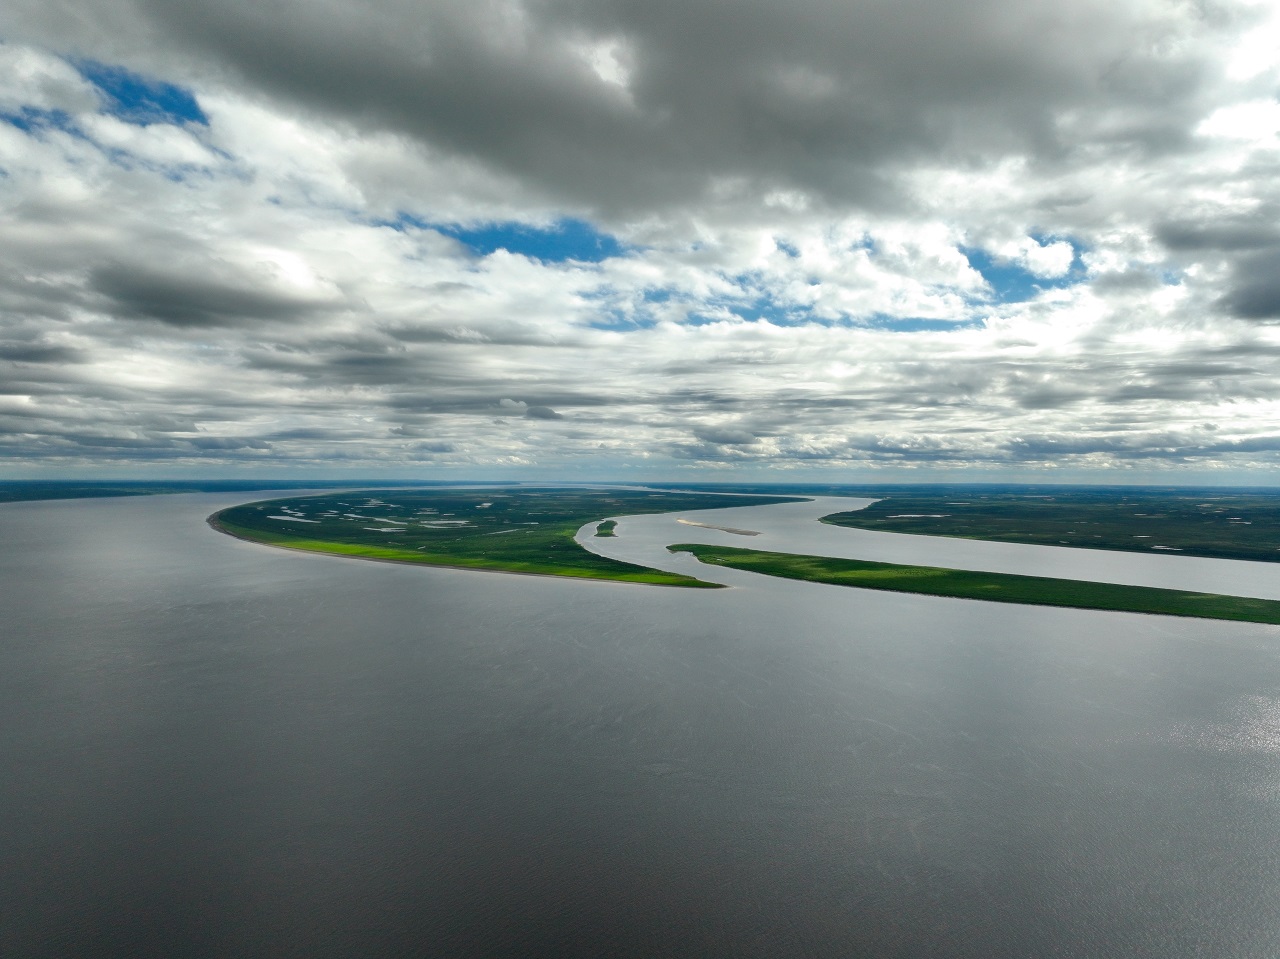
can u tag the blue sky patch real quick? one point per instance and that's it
(619, 321)
(766, 309)
(567, 240)
(31, 119)
(752, 309)
(141, 100)
(919, 324)
(1011, 283)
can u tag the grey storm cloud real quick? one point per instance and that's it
(1125, 281)
(193, 297)
(1249, 243)
(224, 443)
(725, 437)
(39, 353)
(1226, 234)
(1255, 293)
(542, 413)
(314, 433)
(1140, 446)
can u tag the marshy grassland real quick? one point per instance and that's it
(993, 587)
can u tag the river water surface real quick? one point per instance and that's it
(212, 748)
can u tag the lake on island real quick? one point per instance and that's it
(212, 748)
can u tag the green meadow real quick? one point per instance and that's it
(994, 587)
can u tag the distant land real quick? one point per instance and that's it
(1216, 523)
(12, 491)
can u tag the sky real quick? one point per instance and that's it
(838, 240)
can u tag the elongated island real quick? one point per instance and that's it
(993, 587)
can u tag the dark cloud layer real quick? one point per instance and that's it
(628, 105)
(542, 413)
(194, 298)
(1226, 235)
(1256, 286)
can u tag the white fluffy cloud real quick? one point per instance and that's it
(588, 240)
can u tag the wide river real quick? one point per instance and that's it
(210, 748)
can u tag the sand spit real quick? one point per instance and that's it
(723, 529)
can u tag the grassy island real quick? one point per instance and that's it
(509, 529)
(1217, 523)
(995, 587)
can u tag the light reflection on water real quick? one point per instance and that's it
(1253, 727)
(213, 748)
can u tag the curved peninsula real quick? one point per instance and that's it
(993, 587)
(514, 530)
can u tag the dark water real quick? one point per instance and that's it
(210, 748)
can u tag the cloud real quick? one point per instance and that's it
(20, 352)
(725, 437)
(1255, 291)
(188, 297)
(33, 81)
(1017, 236)
(1050, 259)
(542, 413)
(1225, 234)
(621, 106)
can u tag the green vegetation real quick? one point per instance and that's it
(607, 528)
(1223, 524)
(511, 529)
(996, 587)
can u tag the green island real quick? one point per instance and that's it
(994, 587)
(514, 530)
(1216, 523)
(607, 528)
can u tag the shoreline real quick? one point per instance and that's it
(212, 521)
